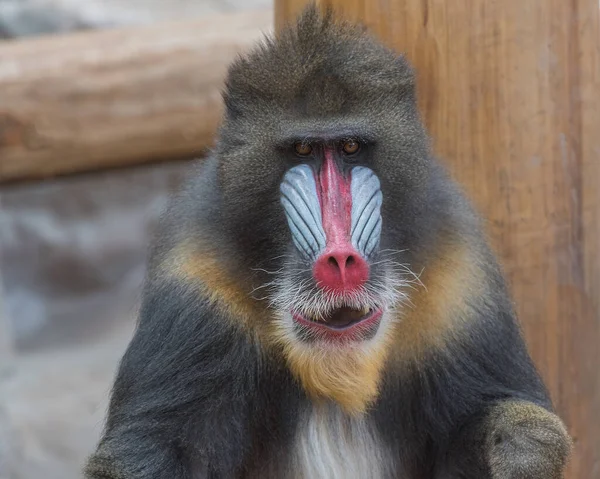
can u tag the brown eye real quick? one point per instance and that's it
(303, 149)
(350, 147)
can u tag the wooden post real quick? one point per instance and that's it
(509, 91)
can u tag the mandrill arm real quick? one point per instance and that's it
(481, 402)
(183, 392)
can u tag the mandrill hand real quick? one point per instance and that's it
(514, 440)
(525, 441)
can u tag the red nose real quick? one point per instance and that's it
(341, 270)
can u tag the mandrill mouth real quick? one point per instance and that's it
(342, 323)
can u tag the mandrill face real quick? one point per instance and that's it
(332, 202)
(324, 172)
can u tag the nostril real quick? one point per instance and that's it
(333, 262)
(337, 263)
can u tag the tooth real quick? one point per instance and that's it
(365, 310)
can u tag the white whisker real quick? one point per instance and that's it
(293, 289)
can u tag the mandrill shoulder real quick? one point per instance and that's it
(193, 249)
(461, 284)
(462, 311)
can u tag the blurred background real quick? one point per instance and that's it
(105, 103)
(72, 249)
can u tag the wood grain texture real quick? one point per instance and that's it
(509, 90)
(85, 101)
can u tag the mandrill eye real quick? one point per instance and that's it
(303, 149)
(350, 147)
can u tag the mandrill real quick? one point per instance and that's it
(321, 301)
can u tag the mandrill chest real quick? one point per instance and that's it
(331, 444)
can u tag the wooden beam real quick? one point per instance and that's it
(86, 101)
(509, 91)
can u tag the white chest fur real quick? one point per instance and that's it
(332, 445)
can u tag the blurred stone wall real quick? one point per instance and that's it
(72, 258)
(72, 251)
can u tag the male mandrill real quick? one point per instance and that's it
(321, 301)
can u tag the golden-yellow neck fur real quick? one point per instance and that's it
(348, 374)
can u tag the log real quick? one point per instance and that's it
(509, 91)
(87, 101)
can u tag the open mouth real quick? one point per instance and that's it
(343, 322)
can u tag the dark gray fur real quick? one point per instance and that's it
(195, 398)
